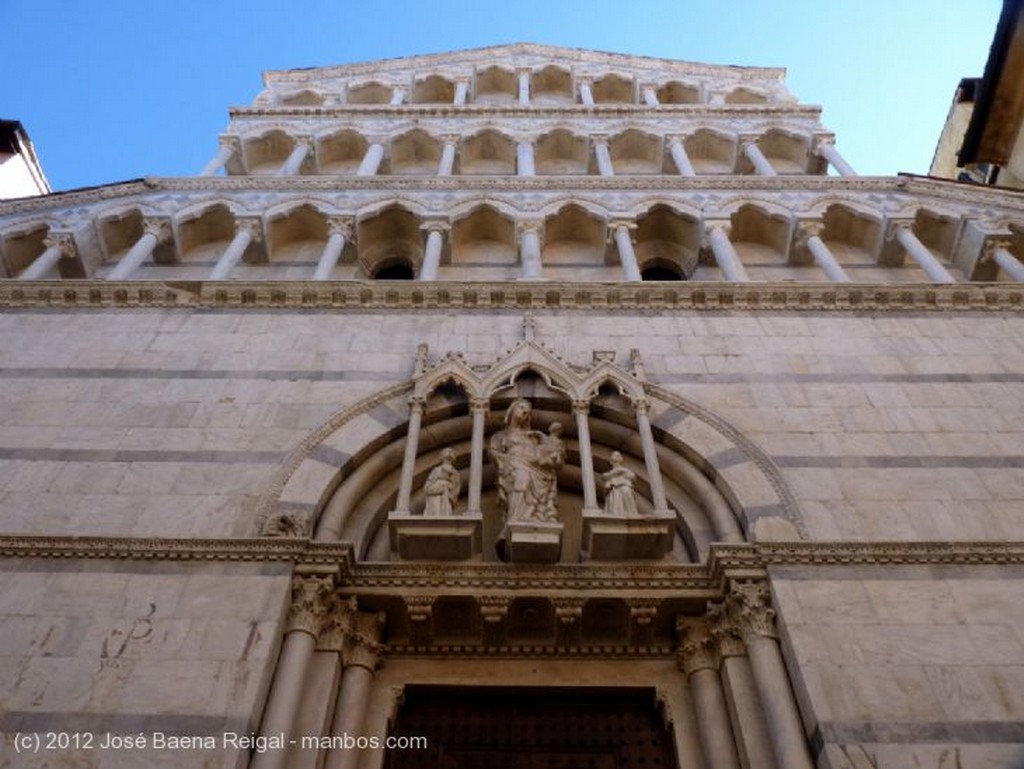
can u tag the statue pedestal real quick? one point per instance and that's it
(610, 538)
(422, 538)
(534, 542)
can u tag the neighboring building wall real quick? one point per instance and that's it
(20, 172)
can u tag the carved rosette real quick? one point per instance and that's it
(290, 525)
(726, 635)
(311, 597)
(749, 606)
(697, 647)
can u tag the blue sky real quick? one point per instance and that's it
(117, 89)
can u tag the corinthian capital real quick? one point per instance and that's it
(749, 605)
(697, 648)
(65, 241)
(158, 227)
(311, 598)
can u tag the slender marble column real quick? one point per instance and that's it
(604, 158)
(649, 95)
(1009, 264)
(461, 92)
(310, 596)
(748, 725)
(627, 256)
(246, 231)
(154, 231)
(919, 253)
(530, 250)
(524, 159)
(371, 160)
(397, 96)
(586, 93)
(224, 154)
(828, 151)
(698, 659)
(679, 157)
(725, 255)
(524, 87)
(478, 408)
(749, 607)
(447, 164)
(432, 250)
(412, 441)
(361, 656)
(58, 245)
(339, 232)
(755, 156)
(822, 254)
(582, 409)
(293, 164)
(643, 422)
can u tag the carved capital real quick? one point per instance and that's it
(452, 139)
(641, 407)
(697, 648)
(338, 225)
(806, 230)
(435, 225)
(363, 647)
(993, 243)
(581, 406)
(726, 635)
(233, 143)
(158, 227)
(417, 404)
(311, 598)
(337, 625)
(252, 225)
(64, 241)
(526, 225)
(306, 141)
(749, 607)
(479, 404)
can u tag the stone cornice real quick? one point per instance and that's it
(560, 296)
(711, 111)
(487, 55)
(741, 561)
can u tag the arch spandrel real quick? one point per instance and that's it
(341, 483)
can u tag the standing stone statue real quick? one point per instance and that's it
(442, 487)
(528, 462)
(619, 498)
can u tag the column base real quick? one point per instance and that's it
(449, 538)
(611, 538)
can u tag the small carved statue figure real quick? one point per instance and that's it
(528, 462)
(619, 499)
(442, 487)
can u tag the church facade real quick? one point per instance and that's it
(514, 407)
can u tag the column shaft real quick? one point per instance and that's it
(604, 159)
(752, 740)
(755, 156)
(397, 96)
(926, 259)
(713, 720)
(285, 695)
(524, 88)
(726, 257)
(781, 714)
(651, 460)
(524, 159)
(447, 164)
(431, 256)
(650, 97)
(680, 158)
(624, 243)
(530, 255)
(329, 256)
(233, 255)
(219, 160)
(42, 264)
(350, 714)
(1009, 264)
(586, 94)
(136, 256)
(476, 457)
(371, 160)
(825, 259)
(828, 151)
(586, 459)
(291, 166)
(412, 440)
(461, 91)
